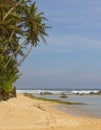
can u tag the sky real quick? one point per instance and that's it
(72, 56)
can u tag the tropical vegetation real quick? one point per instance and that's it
(21, 28)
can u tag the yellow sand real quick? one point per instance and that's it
(24, 113)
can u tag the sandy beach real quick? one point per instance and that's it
(24, 113)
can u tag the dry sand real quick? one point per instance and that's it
(24, 113)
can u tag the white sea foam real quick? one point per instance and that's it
(84, 91)
(39, 91)
(59, 91)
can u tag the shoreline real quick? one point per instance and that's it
(24, 113)
(65, 106)
(75, 111)
(81, 105)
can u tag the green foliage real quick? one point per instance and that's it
(8, 75)
(5, 84)
(22, 22)
(20, 27)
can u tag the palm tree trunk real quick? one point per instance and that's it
(12, 9)
(24, 57)
(14, 54)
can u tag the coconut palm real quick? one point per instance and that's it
(30, 26)
(20, 27)
(34, 28)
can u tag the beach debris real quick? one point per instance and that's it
(40, 107)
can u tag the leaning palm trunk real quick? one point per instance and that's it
(24, 57)
(19, 21)
(9, 12)
(16, 51)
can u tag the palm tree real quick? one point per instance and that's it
(34, 28)
(20, 27)
(30, 26)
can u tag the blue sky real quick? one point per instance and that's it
(72, 56)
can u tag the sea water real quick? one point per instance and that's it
(91, 104)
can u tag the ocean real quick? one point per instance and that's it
(91, 104)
